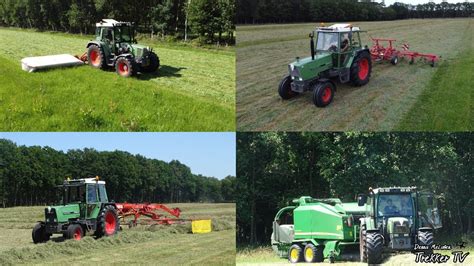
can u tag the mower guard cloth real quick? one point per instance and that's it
(31, 64)
(201, 226)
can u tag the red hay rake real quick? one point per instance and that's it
(149, 210)
(388, 52)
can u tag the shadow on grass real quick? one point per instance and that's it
(162, 72)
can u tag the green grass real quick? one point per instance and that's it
(397, 98)
(164, 245)
(193, 91)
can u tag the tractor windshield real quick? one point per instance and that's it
(123, 34)
(395, 205)
(327, 41)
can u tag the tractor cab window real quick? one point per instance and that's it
(123, 34)
(91, 193)
(395, 205)
(103, 194)
(327, 41)
(429, 213)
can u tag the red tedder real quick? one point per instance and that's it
(389, 53)
(149, 210)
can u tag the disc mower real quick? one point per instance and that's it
(338, 54)
(115, 46)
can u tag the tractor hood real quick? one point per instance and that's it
(398, 225)
(307, 68)
(61, 213)
(140, 50)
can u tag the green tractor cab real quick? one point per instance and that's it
(84, 208)
(115, 46)
(337, 54)
(396, 218)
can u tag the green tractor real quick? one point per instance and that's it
(115, 46)
(84, 208)
(338, 54)
(313, 230)
(396, 218)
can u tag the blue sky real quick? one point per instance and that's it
(209, 154)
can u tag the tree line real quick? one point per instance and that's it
(283, 11)
(209, 21)
(30, 176)
(274, 168)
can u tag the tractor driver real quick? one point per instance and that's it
(345, 45)
(406, 208)
(390, 208)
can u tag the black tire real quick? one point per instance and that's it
(362, 245)
(394, 60)
(426, 238)
(316, 251)
(104, 226)
(99, 61)
(154, 64)
(361, 69)
(284, 89)
(74, 231)
(374, 245)
(39, 234)
(298, 256)
(323, 93)
(125, 67)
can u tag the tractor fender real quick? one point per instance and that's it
(425, 229)
(326, 80)
(129, 56)
(94, 42)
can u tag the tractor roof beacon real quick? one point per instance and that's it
(337, 53)
(115, 46)
(84, 208)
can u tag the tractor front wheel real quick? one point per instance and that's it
(125, 67)
(295, 254)
(361, 69)
(74, 231)
(284, 89)
(96, 57)
(154, 64)
(374, 246)
(107, 223)
(425, 238)
(323, 93)
(39, 234)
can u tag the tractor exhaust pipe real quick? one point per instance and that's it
(311, 35)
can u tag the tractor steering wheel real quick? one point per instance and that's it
(333, 48)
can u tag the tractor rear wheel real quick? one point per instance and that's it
(154, 64)
(374, 246)
(295, 254)
(74, 231)
(323, 93)
(426, 238)
(125, 67)
(284, 89)
(361, 69)
(39, 234)
(313, 253)
(96, 57)
(362, 244)
(107, 223)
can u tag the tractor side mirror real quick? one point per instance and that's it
(361, 199)
(311, 35)
(429, 200)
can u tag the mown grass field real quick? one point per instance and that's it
(403, 97)
(159, 245)
(266, 256)
(193, 91)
